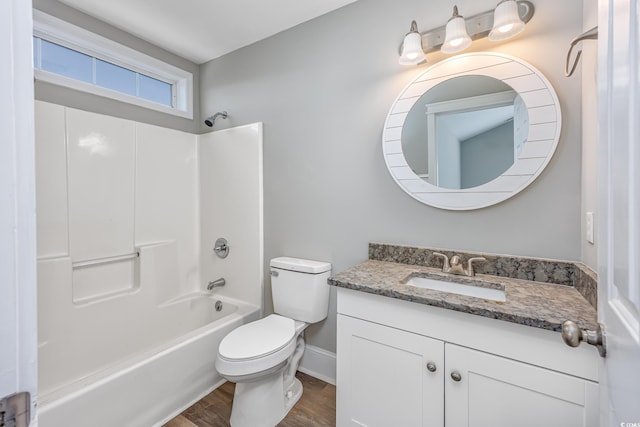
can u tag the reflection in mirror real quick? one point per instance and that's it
(465, 132)
(537, 123)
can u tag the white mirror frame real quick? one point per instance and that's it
(545, 123)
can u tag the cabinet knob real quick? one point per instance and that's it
(431, 367)
(455, 375)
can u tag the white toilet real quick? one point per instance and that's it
(262, 357)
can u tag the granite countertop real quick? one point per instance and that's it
(536, 304)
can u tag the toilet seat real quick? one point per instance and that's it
(257, 346)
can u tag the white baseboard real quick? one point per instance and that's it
(319, 363)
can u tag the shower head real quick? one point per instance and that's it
(211, 120)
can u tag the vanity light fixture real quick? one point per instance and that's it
(456, 37)
(412, 50)
(507, 20)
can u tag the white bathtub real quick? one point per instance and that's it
(151, 386)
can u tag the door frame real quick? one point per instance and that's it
(18, 289)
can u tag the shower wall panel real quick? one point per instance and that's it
(100, 151)
(106, 187)
(100, 168)
(231, 201)
(51, 181)
(115, 187)
(166, 199)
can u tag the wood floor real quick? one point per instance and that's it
(316, 407)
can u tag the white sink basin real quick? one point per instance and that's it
(471, 290)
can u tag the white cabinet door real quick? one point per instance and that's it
(383, 379)
(498, 392)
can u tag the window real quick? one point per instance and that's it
(69, 56)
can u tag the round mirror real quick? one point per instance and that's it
(465, 132)
(471, 131)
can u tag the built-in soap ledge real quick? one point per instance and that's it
(190, 296)
(81, 302)
(105, 260)
(152, 268)
(105, 278)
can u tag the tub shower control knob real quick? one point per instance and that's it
(221, 248)
(431, 367)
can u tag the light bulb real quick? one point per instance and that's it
(506, 21)
(456, 36)
(412, 53)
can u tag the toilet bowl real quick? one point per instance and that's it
(262, 357)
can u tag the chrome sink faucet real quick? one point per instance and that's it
(455, 265)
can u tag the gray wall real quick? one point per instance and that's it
(323, 90)
(414, 138)
(588, 67)
(486, 156)
(85, 101)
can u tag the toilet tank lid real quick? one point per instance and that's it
(301, 265)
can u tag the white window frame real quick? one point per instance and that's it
(70, 36)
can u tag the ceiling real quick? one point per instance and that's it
(201, 30)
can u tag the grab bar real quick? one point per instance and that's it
(105, 260)
(592, 34)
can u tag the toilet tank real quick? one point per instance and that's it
(299, 288)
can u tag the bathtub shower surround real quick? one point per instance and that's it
(150, 387)
(124, 254)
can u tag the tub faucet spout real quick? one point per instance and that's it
(216, 284)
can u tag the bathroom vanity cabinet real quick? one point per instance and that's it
(401, 363)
